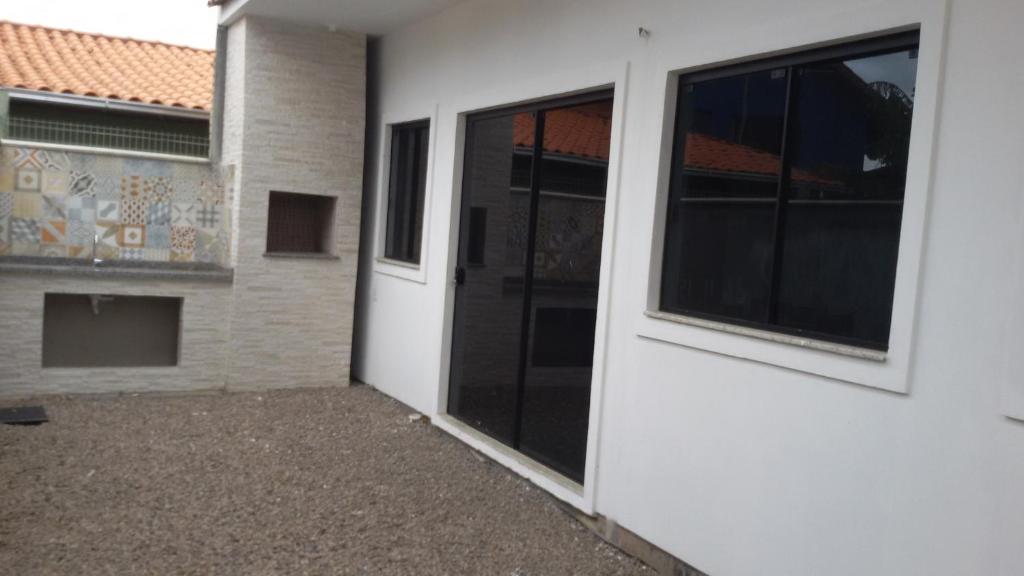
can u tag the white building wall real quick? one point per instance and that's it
(737, 466)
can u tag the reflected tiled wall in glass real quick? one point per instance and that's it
(77, 205)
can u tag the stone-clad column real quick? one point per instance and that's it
(294, 116)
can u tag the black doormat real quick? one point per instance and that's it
(23, 415)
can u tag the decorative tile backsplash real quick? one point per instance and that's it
(71, 204)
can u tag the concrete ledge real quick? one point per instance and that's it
(301, 255)
(115, 269)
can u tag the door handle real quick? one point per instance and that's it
(460, 276)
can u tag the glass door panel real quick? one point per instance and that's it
(492, 257)
(563, 298)
(527, 279)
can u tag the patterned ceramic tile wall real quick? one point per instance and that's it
(70, 204)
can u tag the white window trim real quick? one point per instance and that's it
(890, 371)
(412, 271)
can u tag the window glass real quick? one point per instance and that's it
(848, 170)
(839, 269)
(786, 192)
(733, 136)
(721, 262)
(406, 190)
(851, 128)
(718, 249)
(497, 180)
(562, 304)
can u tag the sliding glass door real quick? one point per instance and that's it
(527, 278)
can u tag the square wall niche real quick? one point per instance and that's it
(110, 331)
(300, 224)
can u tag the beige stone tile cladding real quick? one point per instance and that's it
(203, 344)
(291, 320)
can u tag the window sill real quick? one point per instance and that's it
(399, 263)
(99, 369)
(811, 343)
(118, 269)
(105, 151)
(301, 256)
(400, 269)
(839, 362)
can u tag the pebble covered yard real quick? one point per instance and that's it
(312, 481)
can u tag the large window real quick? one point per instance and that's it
(786, 192)
(407, 184)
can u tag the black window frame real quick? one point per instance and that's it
(403, 241)
(909, 40)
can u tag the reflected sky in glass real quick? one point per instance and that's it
(899, 68)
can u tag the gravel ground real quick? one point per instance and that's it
(330, 481)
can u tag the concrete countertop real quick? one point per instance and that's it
(115, 269)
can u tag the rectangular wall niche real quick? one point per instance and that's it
(93, 330)
(300, 223)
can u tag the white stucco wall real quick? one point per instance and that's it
(739, 466)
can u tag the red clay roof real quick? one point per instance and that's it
(582, 131)
(585, 132)
(703, 152)
(69, 62)
(707, 153)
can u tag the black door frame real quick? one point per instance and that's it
(539, 108)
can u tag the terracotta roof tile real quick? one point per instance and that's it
(582, 131)
(707, 153)
(69, 62)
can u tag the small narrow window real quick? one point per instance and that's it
(786, 192)
(407, 183)
(300, 223)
